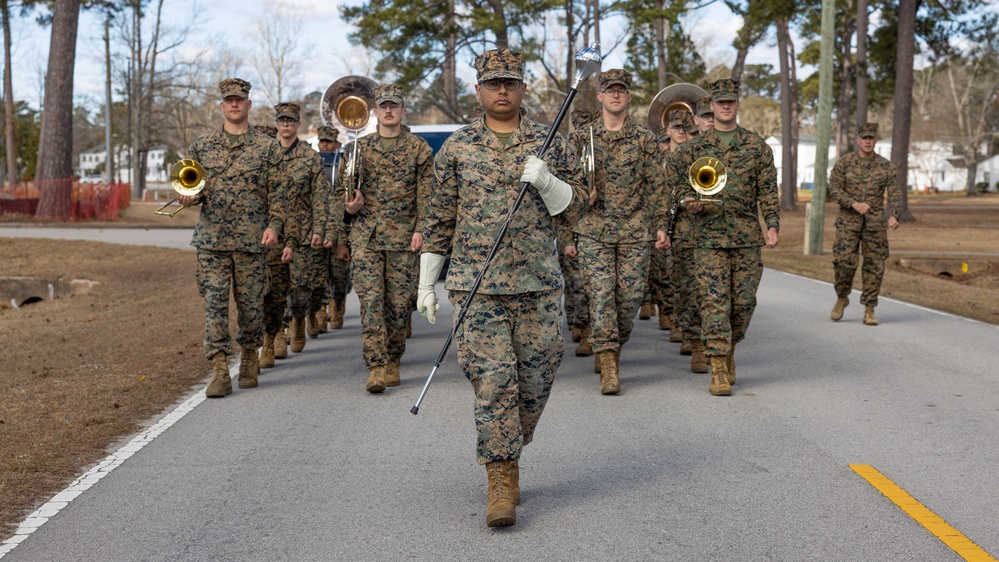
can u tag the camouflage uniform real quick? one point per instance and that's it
(396, 183)
(577, 311)
(862, 180)
(726, 238)
(614, 235)
(338, 272)
(241, 199)
(307, 192)
(687, 304)
(510, 342)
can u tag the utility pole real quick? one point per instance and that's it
(813, 245)
(109, 161)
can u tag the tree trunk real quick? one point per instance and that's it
(789, 171)
(660, 28)
(845, 97)
(135, 103)
(500, 29)
(13, 175)
(863, 98)
(902, 114)
(56, 169)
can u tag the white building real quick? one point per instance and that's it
(988, 173)
(931, 164)
(92, 165)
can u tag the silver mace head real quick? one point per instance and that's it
(587, 62)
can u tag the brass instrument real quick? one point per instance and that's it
(707, 176)
(347, 104)
(588, 163)
(187, 178)
(675, 96)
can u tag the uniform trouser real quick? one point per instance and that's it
(320, 272)
(243, 273)
(874, 245)
(385, 283)
(509, 347)
(339, 278)
(296, 291)
(728, 279)
(615, 276)
(577, 304)
(688, 297)
(659, 289)
(276, 300)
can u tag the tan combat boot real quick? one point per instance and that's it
(249, 368)
(501, 508)
(596, 364)
(281, 345)
(837, 311)
(577, 334)
(322, 320)
(376, 380)
(686, 347)
(719, 377)
(610, 382)
(267, 352)
(585, 348)
(698, 364)
(676, 336)
(515, 479)
(869, 318)
(392, 374)
(645, 311)
(297, 329)
(336, 319)
(221, 385)
(312, 325)
(665, 322)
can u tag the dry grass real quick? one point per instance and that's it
(80, 373)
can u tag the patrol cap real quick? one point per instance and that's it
(867, 130)
(499, 63)
(326, 133)
(234, 87)
(388, 92)
(704, 106)
(679, 118)
(289, 110)
(615, 76)
(725, 89)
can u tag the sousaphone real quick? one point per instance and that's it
(347, 105)
(676, 96)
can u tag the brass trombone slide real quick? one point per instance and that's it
(187, 178)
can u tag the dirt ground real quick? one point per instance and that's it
(82, 372)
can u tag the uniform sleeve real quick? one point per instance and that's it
(442, 208)
(424, 183)
(837, 191)
(894, 194)
(320, 197)
(766, 188)
(277, 193)
(658, 186)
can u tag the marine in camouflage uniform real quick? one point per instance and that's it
(385, 233)
(510, 342)
(614, 236)
(337, 276)
(660, 293)
(242, 213)
(727, 237)
(307, 193)
(858, 184)
(577, 303)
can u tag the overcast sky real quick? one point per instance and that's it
(324, 36)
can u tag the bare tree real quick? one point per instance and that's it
(973, 84)
(55, 200)
(860, 72)
(902, 116)
(278, 57)
(8, 97)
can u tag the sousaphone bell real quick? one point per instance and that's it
(347, 105)
(675, 96)
(187, 178)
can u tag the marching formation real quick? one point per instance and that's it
(616, 221)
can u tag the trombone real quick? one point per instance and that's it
(187, 178)
(352, 173)
(587, 160)
(707, 176)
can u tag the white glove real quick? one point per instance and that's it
(556, 193)
(426, 299)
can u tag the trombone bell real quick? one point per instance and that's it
(187, 178)
(707, 176)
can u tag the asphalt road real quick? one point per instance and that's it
(308, 466)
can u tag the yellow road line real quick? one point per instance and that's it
(950, 536)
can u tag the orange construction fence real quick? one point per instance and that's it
(90, 201)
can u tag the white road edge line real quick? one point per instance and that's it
(49, 510)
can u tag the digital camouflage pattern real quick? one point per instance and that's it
(234, 87)
(499, 63)
(726, 237)
(679, 118)
(476, 180)
(686, 297)
(510, 342)
(614, 234)
(577, 305)
(511, 390)
(242, 198)
(276, 299)
(287, 110)
(615, 76)
(725, 89)
(338, 272)
(245, 274)
(396, 186)
(862, 180)
(269, 130)
(327, 133)
(388, 92)
(867, 130)
(704, 106)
